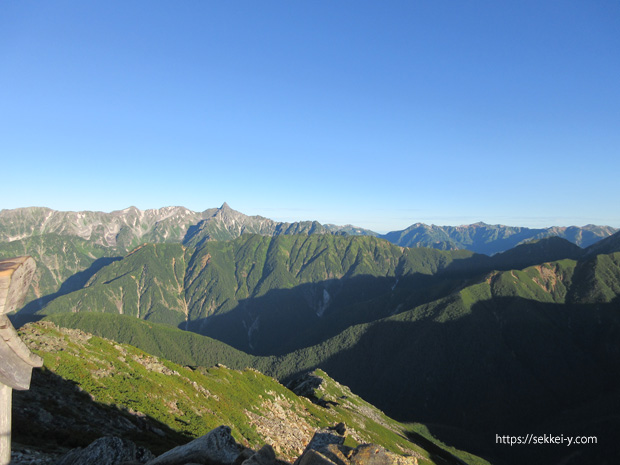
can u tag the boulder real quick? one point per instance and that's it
(109, 450)
(313, 457)
(265, 456)
(324, 437)
(217, 447)
(305, 385)
(316, 452)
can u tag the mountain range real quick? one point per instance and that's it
(128, 228)
(493, 329)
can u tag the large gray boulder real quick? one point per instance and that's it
(217, 447)
(109, 450)
(319, 442)
(327, 448)
(265, 456)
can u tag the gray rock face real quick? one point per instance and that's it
(317, 449)
(305, 385)
(325, 437)
(217, 447)
(312, 457)
(265, 456)
(109, 450)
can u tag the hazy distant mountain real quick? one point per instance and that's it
(350, 230)
(490, 239)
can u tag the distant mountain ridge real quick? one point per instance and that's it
(491, 239)
(128, 228)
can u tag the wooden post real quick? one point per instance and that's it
(16, 360)
(5, 423)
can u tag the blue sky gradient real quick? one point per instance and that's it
(379, 114)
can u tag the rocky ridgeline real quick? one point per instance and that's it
(218, 447)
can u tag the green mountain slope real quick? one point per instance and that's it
(147, 283)
(515, 350)
(273, 295)
(536, 251)
(161, 340)
(193, 401)
(270, 294)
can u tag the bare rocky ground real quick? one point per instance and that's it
(217, 447)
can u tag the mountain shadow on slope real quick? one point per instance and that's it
(509, 366)
(608, 245)
(55, 415)
(75, 282)
(171, 284)
(285, 320)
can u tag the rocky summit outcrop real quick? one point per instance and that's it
(218, 447)
(327, 448)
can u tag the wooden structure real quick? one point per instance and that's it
(16, 360)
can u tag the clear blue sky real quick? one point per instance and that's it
(376, 113)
